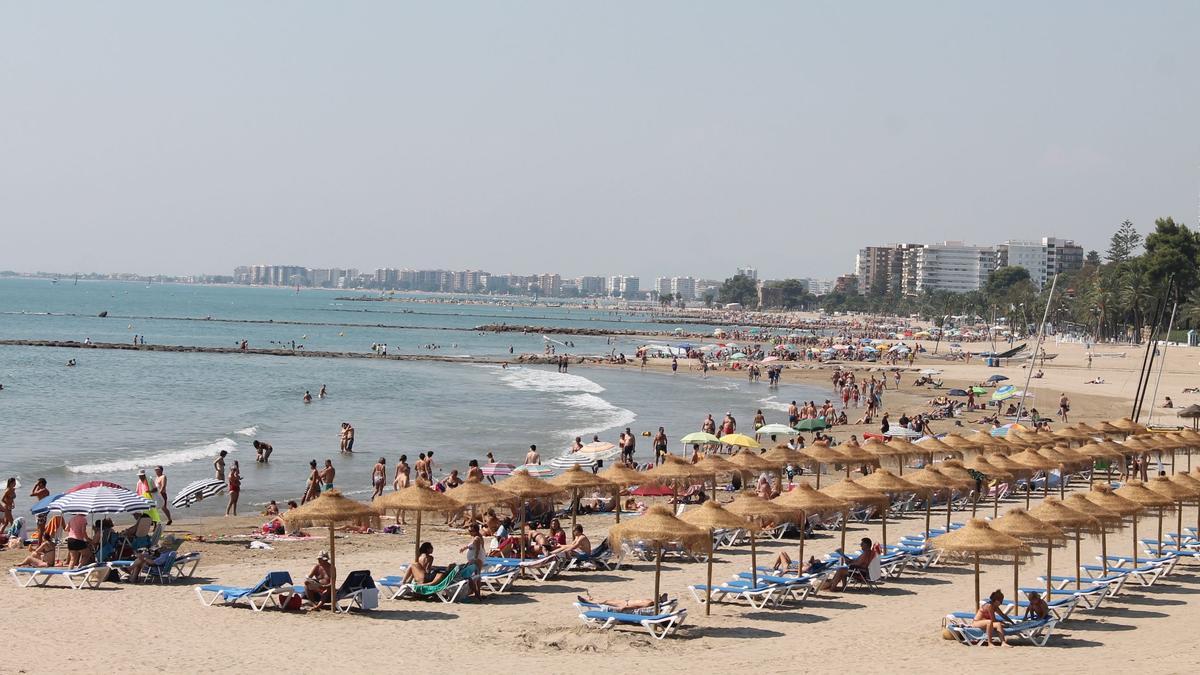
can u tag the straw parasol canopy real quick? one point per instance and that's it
(1191, 435)
(936, 446)
(1095, 452)
(853, 453)
(1103, 496)
(1128, 426)
(804, 498)
(477, 493)
(1018, 523)
(748, 461)
(932, 478)
(959, 443)
(1006, 463)
(880, 449)
(887, 482)
(417, 497)
(620, 476)
(1033, 460)
(1187, 481)
(749, 506)
(819, 454)
(1119, 448)
(676, 471)
(659, 527)
(781, 455)
(855, 495)
(1083, 426)
(1056, 513)
(331, 508)
(988, 468)
(1079, 502)
(956, 470)
(575, 479)
(523, 486)
(977, 538)
(714, 465)
(1138, 493)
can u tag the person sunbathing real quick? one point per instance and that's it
(580, 544)
(421, 570)
(784, 562)
(42, 554)
(622, 606)
(318, 586)
(987, 618)
(144, 558)
(860, 566)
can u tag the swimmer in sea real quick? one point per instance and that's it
(307, 397)
(321, 394)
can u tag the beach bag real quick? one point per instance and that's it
(370, 598)
(294, 602)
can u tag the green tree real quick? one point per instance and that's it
(1124, 244)
(709, 297)
(1171, 254)
(1003, 278)
(666, 299)
(1092, 259)
(740, 289)
(795, 293)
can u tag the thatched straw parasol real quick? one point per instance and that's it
(1036, 462)
(808, 501)
(477, 493)
(1091, 431)
(1175, 492)
(675, 472)
(977, 538)
(883, 451)
(658, 527)
(752, 507)
(526, 488)
(981, 464)
(711, 516)
(750, 462)
(783, 456)
(1109, 520)
(1018, 523)
(932, 446)
(823, 454)
(1128, 426)
(886, 482)
(961, 444)
(575, 480)
(330, 509)
(855, 495)
(621, 476)
(417, 497)
(1058, 514)
(715, 465)
(932, 479)
(1064, 461)
(853, 453)
(1186, 480)
(1137, 492)
(1108, 429)
(904, 450)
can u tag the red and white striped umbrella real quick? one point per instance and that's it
(497, 469)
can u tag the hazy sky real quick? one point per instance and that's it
(650, 138)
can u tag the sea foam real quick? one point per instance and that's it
(537, 379)
(166, 458)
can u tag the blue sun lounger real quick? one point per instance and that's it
(272, 588)
(1038, 632)
(658, 626)
(88, 576)
(1089, 597)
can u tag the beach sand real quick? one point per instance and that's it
(533, 627)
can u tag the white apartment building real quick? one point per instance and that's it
(1042, 259)
(684, 287)
(662, 286)
(751, 272)
(949, 266)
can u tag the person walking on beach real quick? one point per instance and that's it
(379, 477)
(219, 466)
(327, 475)
(628, 447)
(160, 487)
(429, 465)
(312, 489)
(7, 502)
(419, 469)
(491, 459)
(235, 489)
(709, 426)
(402, 474)
(1064, 407)
(660, 447)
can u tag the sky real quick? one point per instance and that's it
(648, 138)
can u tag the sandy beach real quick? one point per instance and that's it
(533, 627)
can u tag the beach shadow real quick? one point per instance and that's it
(946, 569)
(1122, 613)
(598, 577)
(1099, 626)
(557, 588)
(412, 615)
(882, 590)
(785, 616)
(1071, 642)
(921, 581)
(1141, 600)
(737, 633)
(512, 597)
(1174, 590)
(831, 604)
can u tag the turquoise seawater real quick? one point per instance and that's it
(117, 411)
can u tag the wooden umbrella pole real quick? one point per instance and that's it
(1135, 560)
(1016, 578)
(818, 476)
(574, 507)
(1079, 560)
(617, 500)
(977, 581)
(996, 505)
(332, 570)
(417, 547)
(949, 503)
(657, 575)
(1049, 566)
(845, 517)
(1104, 550)
(1160, 519)
(708, 585)
(1028, 490)
(1062, 482)
(803, 529)
(1178, 521)
(928, 503)
(753, 562)
(885, 515)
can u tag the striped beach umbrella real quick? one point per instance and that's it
(569, 460)
(198, 490)
(101, 500)
(497, 469)
(536, 470)
(599, 450)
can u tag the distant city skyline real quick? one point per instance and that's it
(664, 138)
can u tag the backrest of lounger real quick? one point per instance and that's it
(274, 580)
(356, 580)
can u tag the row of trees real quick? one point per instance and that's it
(1113, 295)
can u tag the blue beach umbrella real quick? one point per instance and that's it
(43, 504)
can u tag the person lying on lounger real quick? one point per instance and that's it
(991, 619)
(622, 606)
(783, 561)
(859, 565)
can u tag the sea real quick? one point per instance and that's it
(115, 411)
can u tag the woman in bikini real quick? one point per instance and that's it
(986, 619)
(379, 477)
(235, 489)
(312, 489)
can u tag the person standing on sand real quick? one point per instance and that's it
(219, 466)
(402, 474)
(160, 486)
(235, 489)
(419, 469)
(7, 502)
(379, 477)
(312, 489)
(1064, 407)
(491, 460)
(327, 475)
